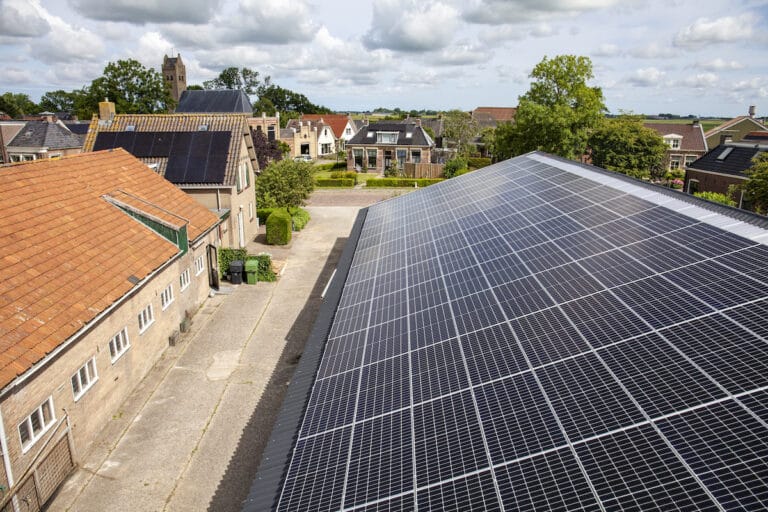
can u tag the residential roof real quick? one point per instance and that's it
(692, 134)
(42, 134)
(218, 101)
(68, 252)
(417, 137)
(733, 122)
(756, 136)
(730, 158)
(497, 114)
(234, 124)
(10, 129)
(337, 122)
(535, 335)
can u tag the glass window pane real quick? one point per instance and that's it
(47, 413)
(24, 433)
(36, 421)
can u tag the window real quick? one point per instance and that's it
(416, 156)
(36, 424)
(325, 148)
(674, 163)
(119, 343)
(146, 317)
(358, 156)
(184, 280)
(387, 137)
(166, 297)
(372, 158)
(674, 143)
(693, 186)
(85, 377)
(401, 158)
(270, 133)
(250, 210)
(689, 160)
(348, 131)
(199, 265)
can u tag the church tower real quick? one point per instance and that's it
(175, 75)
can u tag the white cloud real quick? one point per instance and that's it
(699, 81)
(140, 12)
(646, 77)
(411, 25)
(499, 12)
(607, 50)
(651, 51)
(22, 18)
(17, 76)
(719, 64)
(268, 22)
(704, 32)
(462, 55)
(67, 43)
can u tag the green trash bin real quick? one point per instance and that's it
(251, 270)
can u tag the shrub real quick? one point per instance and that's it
(716, 197)
(265, 272)
(279, 228)
(478, 162)
(401, 182)
(263, 214)
(453, 166)
(299, 217)
(326, 182)
(227, 255)
(350, 175)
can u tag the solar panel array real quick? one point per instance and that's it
(193, 157)
(527, 338)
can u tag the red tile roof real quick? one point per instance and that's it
(498, 114)
(337, 122)
(693, 135)
(67, 251)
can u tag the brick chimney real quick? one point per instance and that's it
(106, 110)
(752, 111)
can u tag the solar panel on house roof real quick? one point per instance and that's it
(538, 335)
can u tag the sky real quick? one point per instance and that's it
(686, 57)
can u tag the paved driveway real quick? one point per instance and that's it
(190, 437)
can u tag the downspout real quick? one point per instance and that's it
(6, 458)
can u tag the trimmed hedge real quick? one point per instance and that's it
(265, 272)
(300, 218)
(227, 255)
(279, 228)
(329, 182)
(402, 182)
(263, 214)
(350, 175)
(478, 162)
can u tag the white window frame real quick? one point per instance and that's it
(166, 297)
(250, 210)
(387, 137)
(199, 265)
(146, 318)
(119, 344)
(44, 425)
(84, 378)
(672, 161)
(184, 279)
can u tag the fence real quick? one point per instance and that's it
(412, 170)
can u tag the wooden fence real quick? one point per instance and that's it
(412, 170)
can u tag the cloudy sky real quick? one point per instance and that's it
(702, 57)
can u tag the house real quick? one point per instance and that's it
(490, 117)
(735, 128)
(379, 146)
(326, 138)
(269, 125)
(221, 101)
(48, 138)
(342, 126)
(722, 167)
(685, 140)
(302, 138)
(103, 262)
(208, 156)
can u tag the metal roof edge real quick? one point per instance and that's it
(265, 490)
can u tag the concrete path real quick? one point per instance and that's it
(190, 437)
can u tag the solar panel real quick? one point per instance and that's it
(539, 335)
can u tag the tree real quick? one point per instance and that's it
(624, 145)
(502, 142)
(243, 79)
(58, 101)
(17, 105)
(285, 100)
(266, 150)
(559, 111)
(133, 88)
(756, 187)
(195, 87)
(284, 184)
(461, 129)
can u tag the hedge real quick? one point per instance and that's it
(263, 214)
(402, 182)
(350, 175)
(478, 162)
(279, 228)
(227, 255)
(265, 272)
(331, 166)
(329, 182)
(300, 216)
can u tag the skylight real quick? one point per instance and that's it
(724, 154)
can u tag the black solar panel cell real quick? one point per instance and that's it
(104, 140)
(659, 302)
(547, 336)
(522, 296)
(387, 339)
(142, 146)
(384, 387)
(332, 403)
(474, 492)
(602, 319)
(492, 353)
(437, 370)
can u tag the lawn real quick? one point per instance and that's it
(362, 177)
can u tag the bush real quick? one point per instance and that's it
(331, 166)
(263, 214)
(478, 162)
(299, 217)
(227, 255)
(716, 197)
(326, 182)
(265, 272)
(349, 175)
(453, 166)
(279, 228)
(402, 182)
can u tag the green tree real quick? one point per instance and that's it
(133, 88)
(756, 187)
(559, 111)
(461, 129)
(624, 145)
(195, 87)
(285, 100)
(264, 105)
(284, 184)
(243, 79)
(17, 105)
(58, 101)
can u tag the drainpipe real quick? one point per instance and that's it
(6, 458)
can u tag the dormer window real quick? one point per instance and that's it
(204, 128)
(387, 137)
(673, 140)
(130, 128)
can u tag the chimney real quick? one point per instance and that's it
(725, 138)
(417, 121)
(695, 122)
(752, 111)
(106, 110)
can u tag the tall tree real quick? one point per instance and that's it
(623, 144)
(243, 79)
(17, 105)
(58, 101)
(559, 111)
(133, 88)
(285, 100)
(461, 129)
(756, 187)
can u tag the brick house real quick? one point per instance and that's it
(735, 129)
(377, 146)
(301, 137)
(103, 260)
(686, 142)
(342, 127)
(208, 156)
(46, 138)
(722, 167)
